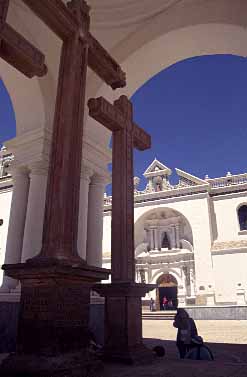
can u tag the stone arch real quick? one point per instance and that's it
(186, 30)
(33, 99)
(167, 289)
(163, 271)
(140, 236)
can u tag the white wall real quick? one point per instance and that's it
(225, 208)
(5, 204)
(229, 270)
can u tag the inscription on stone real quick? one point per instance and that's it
(62, 305)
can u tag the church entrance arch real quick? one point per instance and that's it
(167, 287)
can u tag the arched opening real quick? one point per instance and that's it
(165, 242)
(166, 292)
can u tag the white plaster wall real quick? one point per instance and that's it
(229, 270)
(225, 208)
(5, 204)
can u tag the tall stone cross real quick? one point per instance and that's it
(55, 285)
(126, 135)
(79, 49)
(123, 320)
(16, 50)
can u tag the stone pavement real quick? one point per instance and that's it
(226, 339)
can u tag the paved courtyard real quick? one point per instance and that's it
(234, 332)
(227, 340)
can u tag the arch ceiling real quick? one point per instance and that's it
(145, 37)
(181, 29)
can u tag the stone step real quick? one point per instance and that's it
(159, 315)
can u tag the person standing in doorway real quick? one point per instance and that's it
(164, 303)
(151, 305)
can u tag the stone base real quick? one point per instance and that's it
(80, 364)
(53, 326)
(123, 322)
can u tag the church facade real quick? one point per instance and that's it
(190, 237)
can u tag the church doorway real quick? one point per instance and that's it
(167, 287)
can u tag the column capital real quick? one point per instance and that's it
(100, 180)
(38, 168)
(86, 172)
(19, 171)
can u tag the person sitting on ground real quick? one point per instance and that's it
(186, 331)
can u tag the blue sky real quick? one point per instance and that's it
(195, 111)
(7, 116)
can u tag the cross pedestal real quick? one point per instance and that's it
(53, 334)
(123, 322)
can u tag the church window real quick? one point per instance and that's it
(166, 242)
(242, 217)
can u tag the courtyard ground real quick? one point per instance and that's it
(227, 340)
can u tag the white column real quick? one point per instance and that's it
(151, 239)
(83, 211)
(156, 246)
(32, 241)
(177, 236)
(16, 224)
(192, 282)
(95, 220)
(172, 234)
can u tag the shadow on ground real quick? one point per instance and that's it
(230, 361)
(235, 353)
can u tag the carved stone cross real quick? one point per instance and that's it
(123, 321)
(16, 50)
(71, 23)
(55, 285)
(126, 135)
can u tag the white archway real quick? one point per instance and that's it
(168, 49)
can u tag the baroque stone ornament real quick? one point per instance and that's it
(55, 285)
(123, 321)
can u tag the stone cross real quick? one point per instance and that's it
(16, 50)
(55, 285)
(126, 135)
(79, 49)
